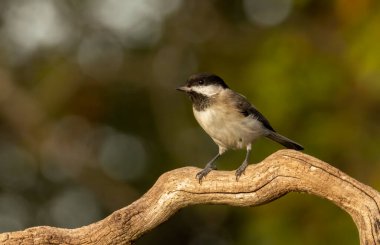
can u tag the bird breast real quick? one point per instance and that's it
(228, 127)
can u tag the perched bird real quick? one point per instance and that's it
(228, 118)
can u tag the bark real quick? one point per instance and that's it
(282, 172)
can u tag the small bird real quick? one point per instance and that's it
(228, 118)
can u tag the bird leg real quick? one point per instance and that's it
(209, 166)
(244, 165)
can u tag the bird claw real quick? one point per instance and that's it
(202, 174)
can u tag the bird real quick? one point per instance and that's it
(229, 119)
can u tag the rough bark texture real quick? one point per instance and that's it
(280, 173)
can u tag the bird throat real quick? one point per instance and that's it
(200, 101)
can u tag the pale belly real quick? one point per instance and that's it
(229, 130)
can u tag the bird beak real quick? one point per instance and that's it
(184, 89)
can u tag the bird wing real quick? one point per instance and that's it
(246, 109)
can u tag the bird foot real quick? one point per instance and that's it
(241, 170)
(202, 174)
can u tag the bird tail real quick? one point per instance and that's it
(290, 144)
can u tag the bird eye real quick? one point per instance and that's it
(200, 82)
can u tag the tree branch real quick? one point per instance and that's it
(282, 172)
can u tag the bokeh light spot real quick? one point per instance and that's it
(136, 22)
(100, 56)
(267, 12)
(34, 24)
(123, 157)
(73, 208)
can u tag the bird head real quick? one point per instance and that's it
(205, 84)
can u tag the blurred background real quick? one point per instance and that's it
(89, 115)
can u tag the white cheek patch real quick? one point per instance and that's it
(208, 90)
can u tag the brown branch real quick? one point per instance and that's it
(280, 173)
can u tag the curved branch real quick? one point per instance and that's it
(282, 172)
